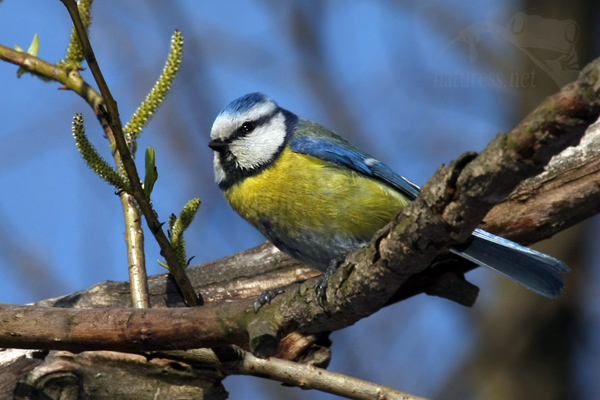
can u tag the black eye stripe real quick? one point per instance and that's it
(251, 125)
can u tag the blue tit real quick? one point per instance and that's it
(316, 197)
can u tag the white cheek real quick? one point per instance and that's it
(220, 175)
(260, 146)
(249, 157)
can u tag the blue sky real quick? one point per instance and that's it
(376, 76)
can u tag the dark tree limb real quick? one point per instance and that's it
(93, 375)
(565, 194)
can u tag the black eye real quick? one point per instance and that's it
(248, 126)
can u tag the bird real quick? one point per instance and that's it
(317, 197)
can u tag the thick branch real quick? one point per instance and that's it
(121, 329)
(565, 194)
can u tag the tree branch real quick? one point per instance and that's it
(69, 78)
(566, 193)
(307, 376)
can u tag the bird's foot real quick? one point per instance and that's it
(321, 288)
(266, 297)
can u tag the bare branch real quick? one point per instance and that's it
(121, 329)
(565, 194)
(308, 377)
(69, 78)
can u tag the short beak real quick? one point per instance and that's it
(217, 146)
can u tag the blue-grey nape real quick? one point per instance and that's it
(245, 103)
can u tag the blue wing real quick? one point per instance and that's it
(534, 270)
(350, 157)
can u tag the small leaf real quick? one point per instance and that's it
(151, 172)
(33, 50)
(164, 265)
(34, 47)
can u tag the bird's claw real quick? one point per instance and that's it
(266, 297)
(321, 288)
(321, 291)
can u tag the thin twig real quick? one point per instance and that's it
(71, 79)
(138, 279)
(305, 376)
(114, 121)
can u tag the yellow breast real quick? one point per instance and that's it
(300, 194)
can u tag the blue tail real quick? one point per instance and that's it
(534, 270)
